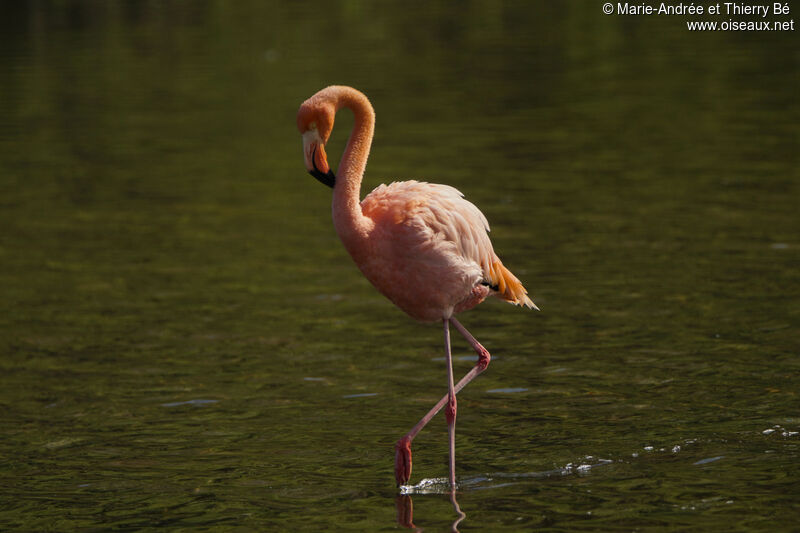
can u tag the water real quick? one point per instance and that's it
(185, 343)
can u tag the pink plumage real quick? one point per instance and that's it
(429, 251)
(422, 245)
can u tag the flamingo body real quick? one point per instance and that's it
(429, 251)
(420, 244)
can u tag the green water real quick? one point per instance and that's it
(184, 342)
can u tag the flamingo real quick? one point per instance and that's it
(422, 245)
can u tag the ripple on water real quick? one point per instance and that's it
(198, 402)
(471, 358)
(441, 485)
(436, 485)
(708, 460)
(780, 430)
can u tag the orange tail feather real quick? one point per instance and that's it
(509, 288)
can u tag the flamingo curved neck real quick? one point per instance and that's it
(350, 223)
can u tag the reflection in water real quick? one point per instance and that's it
(405, 511)
(459, 513)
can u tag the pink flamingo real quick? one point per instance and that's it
(422, 245)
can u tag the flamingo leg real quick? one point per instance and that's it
(483, 354)
(402, 462)
(452, 404)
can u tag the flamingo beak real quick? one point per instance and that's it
(316, 159)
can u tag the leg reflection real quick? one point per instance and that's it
(405, 511)
(459, 513)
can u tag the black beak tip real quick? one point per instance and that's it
(328, 179)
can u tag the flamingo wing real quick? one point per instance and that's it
(439, 216)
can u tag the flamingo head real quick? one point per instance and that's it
(315, 122)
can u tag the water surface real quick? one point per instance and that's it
(185, 343)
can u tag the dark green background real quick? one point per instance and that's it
(182, 334)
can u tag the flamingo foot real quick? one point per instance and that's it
(402, 461)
